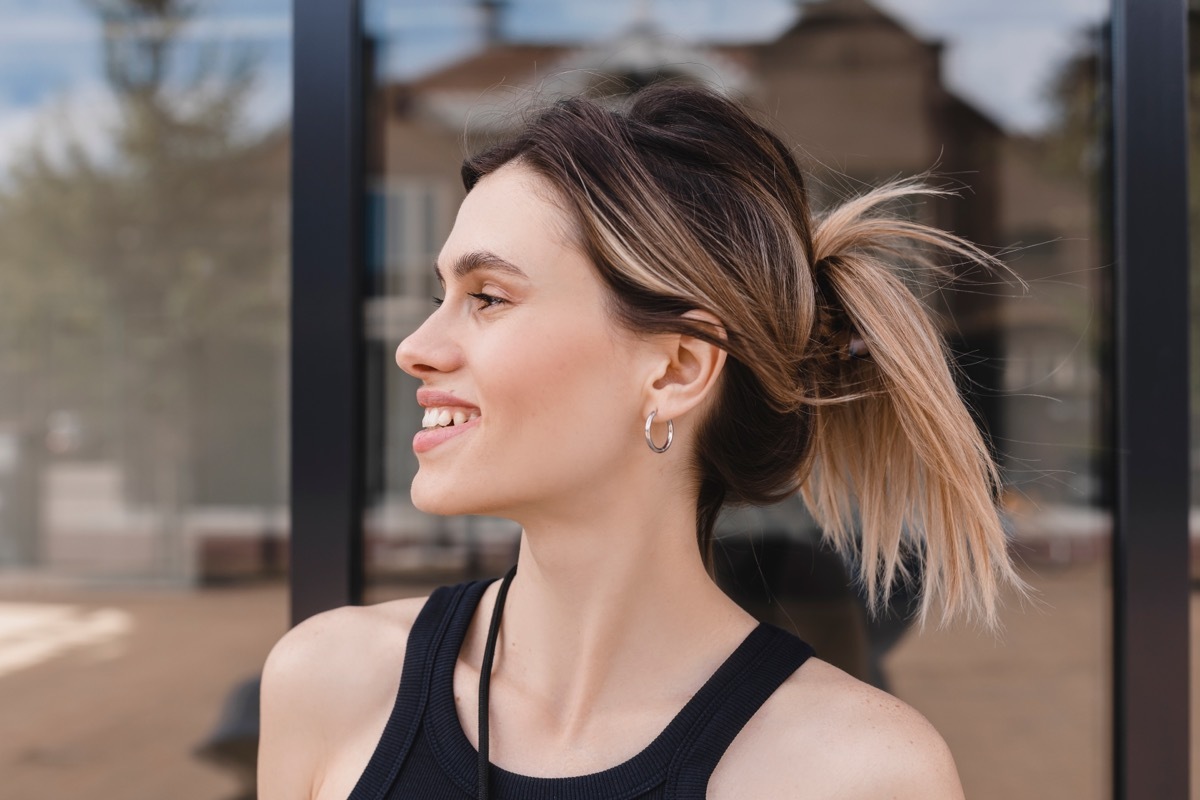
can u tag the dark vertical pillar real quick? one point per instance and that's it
(327, 331)
(1150, 559)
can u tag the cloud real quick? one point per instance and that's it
(83, 116)
(384, 18)
(1002, 58)
(1009, 87)
(748, 20)
(954, 18)
(42, 29)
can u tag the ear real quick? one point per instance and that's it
(688, 373)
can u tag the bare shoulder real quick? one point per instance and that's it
(328, 687)
(826, 734)
(336, 649)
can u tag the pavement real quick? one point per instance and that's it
(107, 693)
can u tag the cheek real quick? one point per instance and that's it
(561, 412)
(569, 397)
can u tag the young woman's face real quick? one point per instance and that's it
(543, 391)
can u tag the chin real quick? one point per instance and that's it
(454, 497)
(433, 502)
(443, 499)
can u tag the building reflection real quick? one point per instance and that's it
(863, 98)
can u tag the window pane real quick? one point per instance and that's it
(1002, 100)
(143, 386)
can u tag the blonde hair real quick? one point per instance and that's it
(838, 384)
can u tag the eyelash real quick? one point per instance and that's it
(487, 299)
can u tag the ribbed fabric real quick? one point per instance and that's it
(424, 753)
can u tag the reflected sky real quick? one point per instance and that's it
(998, 56)
(52, 88)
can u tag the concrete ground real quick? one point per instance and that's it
(107, 693)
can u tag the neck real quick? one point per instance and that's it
(613, 611)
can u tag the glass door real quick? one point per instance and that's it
(1007, 108)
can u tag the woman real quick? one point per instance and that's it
(641, 323)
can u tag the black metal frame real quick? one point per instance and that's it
(327, 316)
(1150, 335)
(1150, 542)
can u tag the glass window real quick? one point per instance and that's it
(1005, 103)
(144, 282)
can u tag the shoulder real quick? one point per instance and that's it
(336, 646)
(826, 734)
(323, 638)
(328, 682)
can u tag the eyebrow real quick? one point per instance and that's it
(480, 259)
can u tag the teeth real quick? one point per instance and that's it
(441, 417)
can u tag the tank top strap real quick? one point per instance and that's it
(768, 658)
(424, 639)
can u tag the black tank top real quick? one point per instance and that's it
(424, 754)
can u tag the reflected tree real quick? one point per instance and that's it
(1074, 150)
(144, 284)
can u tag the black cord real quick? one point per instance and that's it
(485, 679)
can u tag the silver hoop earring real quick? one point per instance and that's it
(650, 439)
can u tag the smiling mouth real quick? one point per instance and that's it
(446, 417)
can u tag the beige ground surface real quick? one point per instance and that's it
(117, 701)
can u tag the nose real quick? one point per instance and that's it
(429, 349)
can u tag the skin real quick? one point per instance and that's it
(612, 622)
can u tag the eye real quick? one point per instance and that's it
(487, 300)
(437, 301)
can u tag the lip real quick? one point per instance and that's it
(437, 398)
(426, 440)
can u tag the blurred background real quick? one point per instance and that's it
(144, 346)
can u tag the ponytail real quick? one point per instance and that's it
(890, 432)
